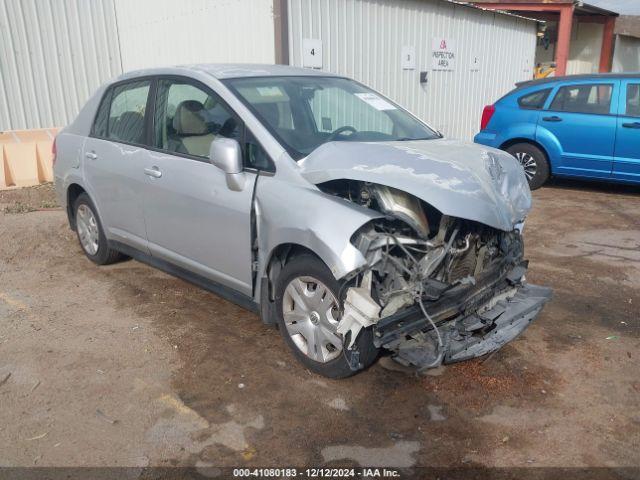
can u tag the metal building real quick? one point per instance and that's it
(55, 53)
(398, 48)
(627, 52)
(441, 59)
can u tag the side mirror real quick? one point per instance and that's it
(225, 153)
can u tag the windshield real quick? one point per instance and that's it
(305, 112)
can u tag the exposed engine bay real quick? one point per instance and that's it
(436, 289)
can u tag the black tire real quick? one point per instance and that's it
(542, 172)
(307, 265)
(104, 255)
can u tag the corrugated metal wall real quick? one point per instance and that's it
(169, 32)
(363, 39)
(55, 53)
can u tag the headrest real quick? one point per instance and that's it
(189, 118)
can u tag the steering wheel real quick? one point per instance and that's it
(339, 131)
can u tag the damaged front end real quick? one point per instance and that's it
(435, 289)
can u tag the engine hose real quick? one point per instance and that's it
(434, 265)
(440, 356)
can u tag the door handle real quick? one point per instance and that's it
(631, 125)
(153, 172)
(91, 155)
(552, 119)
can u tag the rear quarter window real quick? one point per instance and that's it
(534, 100)
(99, 128)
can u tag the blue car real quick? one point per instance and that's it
(582, 126)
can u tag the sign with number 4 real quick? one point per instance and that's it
(312, 53)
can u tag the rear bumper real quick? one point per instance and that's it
(486, 138)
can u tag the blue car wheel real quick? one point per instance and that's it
(533, 161)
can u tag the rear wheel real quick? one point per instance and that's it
(308, 317)
(90, 233)
(533, 161)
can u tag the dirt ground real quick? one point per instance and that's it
(124, 365)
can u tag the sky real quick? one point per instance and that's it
(623, 7)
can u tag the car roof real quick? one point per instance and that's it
(570, 78)
(229, 70)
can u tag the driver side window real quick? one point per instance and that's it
(334, 108)
(188, 119)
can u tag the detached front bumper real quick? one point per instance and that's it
(469, 334)
(509, 319)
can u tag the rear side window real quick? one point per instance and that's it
(127, 106)
(633, 100)
(535, 100)
(594, 98)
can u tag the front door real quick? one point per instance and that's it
(193, 220)
(114, 162)
(582, 117)
(626, 163)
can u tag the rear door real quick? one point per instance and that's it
(582, 118)
(193, 219)
(114, 159)
(626, 164)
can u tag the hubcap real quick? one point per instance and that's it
(529, 164)
(87, 227)
(310, 313)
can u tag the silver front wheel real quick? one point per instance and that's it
(528, 163)
(88, 231)
(310, 312)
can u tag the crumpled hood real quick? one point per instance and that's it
(458, 178)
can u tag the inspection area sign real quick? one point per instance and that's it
(443, 54)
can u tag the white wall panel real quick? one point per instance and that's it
(169, 32)
(584, 52)
(626, 56)
(363, 39)
(53, 55)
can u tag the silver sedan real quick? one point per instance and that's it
(311, 199)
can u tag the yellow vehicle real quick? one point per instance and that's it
(542, 71)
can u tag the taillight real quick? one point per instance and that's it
(487, 113)
(54, 151)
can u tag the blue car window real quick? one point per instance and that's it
(633, 100)
(534, 100)
(583, 98)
